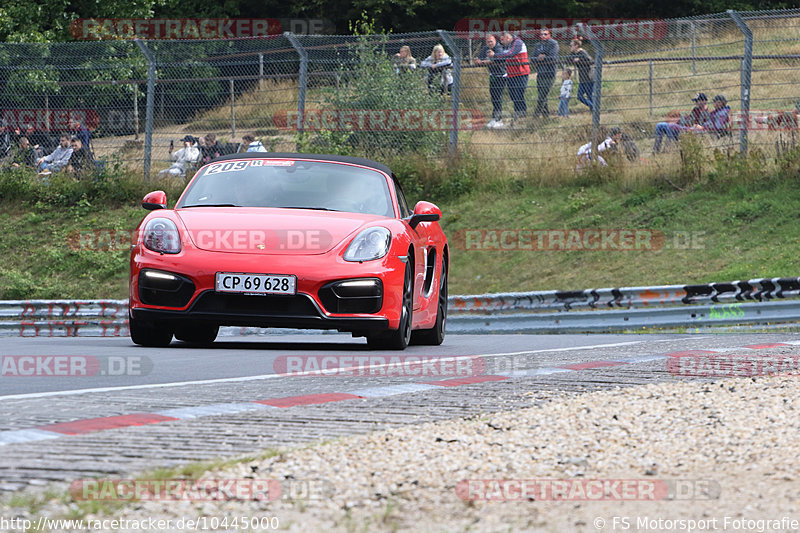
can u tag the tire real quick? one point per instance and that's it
(435, 335)
(398, 339)
(197, 334)
(148, 334)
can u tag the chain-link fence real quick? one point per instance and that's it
(162, 107)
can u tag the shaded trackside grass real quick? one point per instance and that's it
(731, 219)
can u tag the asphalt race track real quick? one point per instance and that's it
(72, 408)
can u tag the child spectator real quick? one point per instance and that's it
(439, 63)
(566, 92)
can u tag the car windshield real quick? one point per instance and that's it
(290, 184)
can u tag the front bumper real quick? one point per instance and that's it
(310, 308)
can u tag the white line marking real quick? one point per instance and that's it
(391, 390)
(213, 409)
(26, 435)
(36, 395)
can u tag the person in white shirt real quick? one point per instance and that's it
(189, 154)
(585, 156)
(566, 92)
(58, 159)
(250, 144)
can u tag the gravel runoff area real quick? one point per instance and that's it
(716, 456)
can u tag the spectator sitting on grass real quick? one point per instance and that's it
(671, 128)
(719, 121)
(182, 158)
(608, 145)
(81, 160)
(58, 159)
(211, 148)
(699, 114)
(252, 145)
(24, 155)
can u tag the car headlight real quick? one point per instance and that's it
(372, 243)
(161, 235)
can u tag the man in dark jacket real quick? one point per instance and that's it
(580, 59)
(545, 57)
(497, 78)
(24, 155)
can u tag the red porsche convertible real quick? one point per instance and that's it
(290, 241)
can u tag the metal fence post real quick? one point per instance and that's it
(233, 110)
(301, 92)
(598, 82)
(746, 73)
(694, 51)
(651, 86)
(150, 106)
(456, 96)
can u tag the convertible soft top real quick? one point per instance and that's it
(322, 157)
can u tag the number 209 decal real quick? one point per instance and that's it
(235, 166)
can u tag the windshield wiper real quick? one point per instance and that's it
(212, 205)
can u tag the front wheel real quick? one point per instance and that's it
(398, 339)
(435, 335)
(145, 333)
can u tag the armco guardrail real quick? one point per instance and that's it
(738, 303)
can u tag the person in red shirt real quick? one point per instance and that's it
(518, 67)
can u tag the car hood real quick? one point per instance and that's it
(269, 230)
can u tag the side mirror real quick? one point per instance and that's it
(424, 212)
(155, 200)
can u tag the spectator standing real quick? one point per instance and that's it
(581, 60)
(497, 78)
(81, 160)
(58, 159)
(439, 64)
(182, 158)
(252, 145)
(518, 68)
(404, 61)
(545, 56)
(566, 92)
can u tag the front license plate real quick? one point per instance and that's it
(256, 283)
